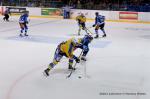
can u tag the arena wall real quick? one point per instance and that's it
(1, 10)
(119, 16)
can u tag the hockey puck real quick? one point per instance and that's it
(79, 77)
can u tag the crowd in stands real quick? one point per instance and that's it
(125, 5)
(115, 5)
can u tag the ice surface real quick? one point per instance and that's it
(119, 63)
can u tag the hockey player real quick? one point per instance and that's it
(6, 15)
(81, 19)
(99, 23)
(23, 21)
(84, 42)
(64, 49)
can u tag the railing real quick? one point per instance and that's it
(57, 4)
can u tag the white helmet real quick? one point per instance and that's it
(75, 41)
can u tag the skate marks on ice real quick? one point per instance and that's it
(33, 82)
(143, 32)
(145, 37)
(137, 29)
(34, 79)
(30, 25)
(61, 71)
(38, 39)
(100, 43)
(55, 40)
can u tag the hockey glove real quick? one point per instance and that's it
(76, 59)
(27, 22)
(94, 25)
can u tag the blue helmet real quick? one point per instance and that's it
(89, 37)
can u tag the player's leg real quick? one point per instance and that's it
(22, 28)
(85, 51)
(84, 28)
(7, 17)
(70, 64)
(57, 58)
(4, 17)
(102, 28)
(67, 15)
(26, 29)
(96, 31)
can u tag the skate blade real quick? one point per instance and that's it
(45, 74)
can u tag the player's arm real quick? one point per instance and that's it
(70, 53)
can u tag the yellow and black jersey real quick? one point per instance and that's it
(68, 47)
(81, 19)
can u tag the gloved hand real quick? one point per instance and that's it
(27, 22)
(94, 25)
(76, 59)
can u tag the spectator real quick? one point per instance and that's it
(67, 10)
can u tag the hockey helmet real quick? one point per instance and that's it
(96, 13)
(89, 37)
(75, 41)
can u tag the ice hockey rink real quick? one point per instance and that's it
(117, 67)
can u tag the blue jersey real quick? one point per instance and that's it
(85, 41)
(23, 18)
(99, 20)
(84, 44)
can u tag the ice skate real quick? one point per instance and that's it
(96, 36)
(104, 35)
(26, 34)
(83, 58)
(71, 68)
(46, 72)
(21, 35)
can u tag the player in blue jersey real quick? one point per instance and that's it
(23, 21)
(84, 45)
(99, 24)
(6, 15)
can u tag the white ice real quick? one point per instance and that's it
(119, 63)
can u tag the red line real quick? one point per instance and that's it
(18, 80)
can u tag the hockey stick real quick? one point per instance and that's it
(89, 31)
(89, 27)
(74, 65)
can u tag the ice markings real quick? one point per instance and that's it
(55, 40)
(137, 29)
(100, 44)
(145, 37)
(38, 39)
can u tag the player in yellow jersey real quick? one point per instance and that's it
(81, 19)
(64, 49)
